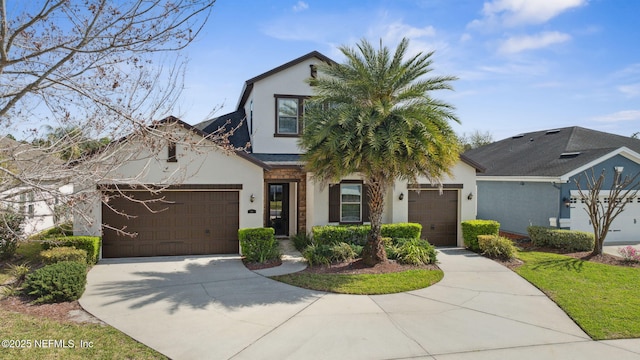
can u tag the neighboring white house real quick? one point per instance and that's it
(209, 193)
(41, 209)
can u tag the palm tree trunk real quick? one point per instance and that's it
(374, 252)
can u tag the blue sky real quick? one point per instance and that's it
(523, 65)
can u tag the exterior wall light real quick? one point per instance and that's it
(470, 196)
(401, 197)
(252, 198)
(566, 202)
(619, 169)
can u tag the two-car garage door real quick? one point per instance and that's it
(171, 223)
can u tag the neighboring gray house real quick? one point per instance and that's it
(529, 179)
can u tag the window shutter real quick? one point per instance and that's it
(365, 203)
(334, 203)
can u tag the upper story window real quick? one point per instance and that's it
(171, 152)
(289, 115)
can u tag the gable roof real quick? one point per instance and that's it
(548, 153)
(248, 85)
(232, 121)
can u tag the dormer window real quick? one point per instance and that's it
(289, 115)
(171, 152)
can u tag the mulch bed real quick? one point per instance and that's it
(58, 312)
(358, 267)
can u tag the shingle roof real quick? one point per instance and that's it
(552, 152)
(235, 120)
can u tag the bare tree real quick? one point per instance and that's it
(602, 212)
(475, 139)
(106, 68)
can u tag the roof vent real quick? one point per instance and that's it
(569, 155)
(518, 136)
(554, 131)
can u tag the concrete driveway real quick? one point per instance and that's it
(212, 307)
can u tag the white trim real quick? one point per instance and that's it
(548, 179)
(624, 151)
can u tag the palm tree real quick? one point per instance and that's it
(373, 115)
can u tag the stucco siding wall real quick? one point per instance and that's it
(206, 164)
(517, 205)
(287, 82)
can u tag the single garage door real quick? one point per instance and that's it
(437, 213)
(182, 223)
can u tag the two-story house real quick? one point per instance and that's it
(208, 194)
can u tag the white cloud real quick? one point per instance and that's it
(300, 6)
(632, 90)
(517, 44)
(512, 13)
(624, 115)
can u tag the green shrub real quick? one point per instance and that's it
(90, 244)
(539, 235)
(63, 281)
(301, 241)
(569, 240)
(357, 234)
(318, 254)
(357, 249)
(259, 245)
(402, 230)
(572, 240)
(472, 228)
(416, 252)
(63, 253)
(19, 272)
(332, 234)
(496, 247)
(63, 230)
(10, 232)
(342, 252)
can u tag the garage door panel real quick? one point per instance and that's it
(437, 213)
(178, 227)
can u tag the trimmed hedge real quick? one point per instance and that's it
(472, 228)
(90, 244)
(259, 245)
(401, 230)
(59, 282)
(496, 247)
(569, 240)
(63, 253)
(357, 234)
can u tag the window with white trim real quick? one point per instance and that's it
(289, 115)
(350, 202)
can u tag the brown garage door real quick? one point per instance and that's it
(438, 214)
(184, 223)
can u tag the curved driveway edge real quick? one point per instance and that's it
(212, 307)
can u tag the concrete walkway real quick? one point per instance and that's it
(212, 307)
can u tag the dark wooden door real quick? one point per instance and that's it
(437, 213)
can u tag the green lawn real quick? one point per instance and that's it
(602, 299)
(35, 333)
(364, 284)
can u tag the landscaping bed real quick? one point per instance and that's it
(357, 266)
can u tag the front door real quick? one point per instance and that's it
(279, 208)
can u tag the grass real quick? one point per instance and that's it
(364, 284)
(107, 342)
(604, 300)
